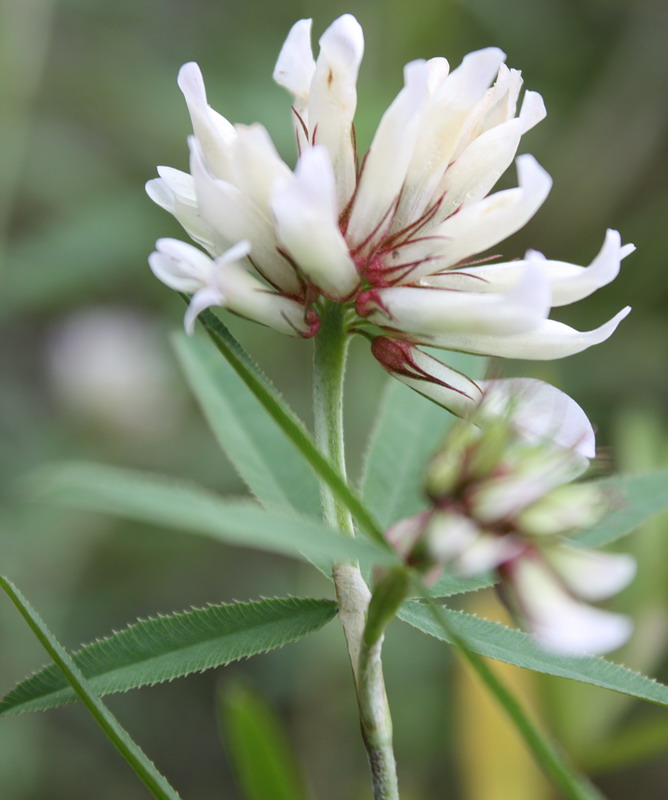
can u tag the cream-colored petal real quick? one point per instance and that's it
(481, 225)
(333, 98)
(388, 158)
(568, 282)
(180, 265)
(541, 412)
(487, 553)
(549, 341)
(202, 299)
(448, 534)
(295, 65)
(234, 217)
(441, 126)
(175, 192)
(257, 164)
(559, 622)
(430, 312)
(214, 133)
(590, 574)
(480, 166)
(475, 227)
(248, 297)
(306, 216)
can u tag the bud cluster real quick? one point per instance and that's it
(506, 503)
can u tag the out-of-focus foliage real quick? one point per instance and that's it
(88, 107)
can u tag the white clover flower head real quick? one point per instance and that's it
(503, 498)
(395, 235)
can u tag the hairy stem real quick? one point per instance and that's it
(331, 345)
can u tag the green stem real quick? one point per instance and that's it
(119, 737)
(331, 346)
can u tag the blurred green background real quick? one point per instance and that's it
(88, 107)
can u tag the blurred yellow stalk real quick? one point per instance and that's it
(493, 760)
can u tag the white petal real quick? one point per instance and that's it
(449, 534)
(475, 227)
(237, 252)
(388, 157)
(234, 217)
(541, 412)
(180, 265)
(181, 183)
(307, 223)
(437, 69)
(333, 98)
(487, 553)
(441, 126)
(560, 623)
(483, 224)
(430, 312)
(549, 341)
(201, 300)
(175, 192)
(246, 296)
(257, 164)
(568, 282)
(590, 574)
(214, 133)
(501, 497)
(295, 65)
(428, 376)
(532, 111)
(497, 106)
(480, 166)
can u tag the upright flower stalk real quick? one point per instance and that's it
(352, 592)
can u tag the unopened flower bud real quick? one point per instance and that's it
(566, 508)
(446, 471)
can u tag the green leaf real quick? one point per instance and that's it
(162, 648)
(263, 762)
(408, 430)
(172, 504)
(119, 737)
(450, 584)
(636, 499)
(269, 464)
(514, 647)
(289, 423)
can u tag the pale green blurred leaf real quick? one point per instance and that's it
(172, 504)
(269, 464)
